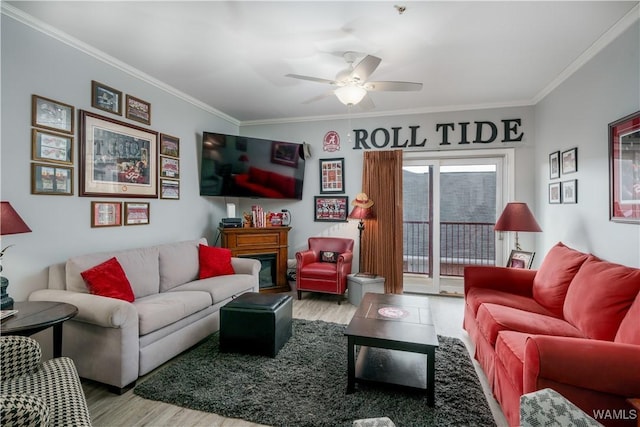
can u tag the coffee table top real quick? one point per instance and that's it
(390, 317)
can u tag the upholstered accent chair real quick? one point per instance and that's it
(324, 267)
(38, 394)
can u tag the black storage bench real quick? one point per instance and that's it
(256, 323)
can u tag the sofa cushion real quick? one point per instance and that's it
(179, 263)
(285, 185)
(510, 352)
(140, 265)
(220, 288)
(109, 280)
(554, 276)
(319, 270)
(629, 330)
(493, 318)
(600, 296)
(477, 296)
(258, 176)
(214, 261)
(159, 310)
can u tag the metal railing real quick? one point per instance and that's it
(461, 243)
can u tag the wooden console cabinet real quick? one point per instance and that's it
(269, 245)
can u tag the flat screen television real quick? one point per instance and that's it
(238, 166)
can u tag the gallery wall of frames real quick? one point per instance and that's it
(116, 159)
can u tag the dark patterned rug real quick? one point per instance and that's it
(305, 385)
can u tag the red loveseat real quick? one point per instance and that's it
(573, 326)
(262, 183)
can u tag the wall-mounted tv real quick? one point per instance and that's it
(238, 166)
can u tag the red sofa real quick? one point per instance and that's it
(262, 183)
(573, 326)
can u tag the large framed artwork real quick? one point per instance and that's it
(331, 209)
(117, 159)
(331, 176)
(624, 169)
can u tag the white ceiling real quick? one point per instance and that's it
(233, 55)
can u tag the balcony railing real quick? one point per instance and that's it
(461, 243)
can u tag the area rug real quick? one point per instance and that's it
(305, 385)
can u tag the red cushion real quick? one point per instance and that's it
(477, 296)
(109, 280)
(629, 330)
(510, 351)
(214, 261)
(600, 296)
(554, 276)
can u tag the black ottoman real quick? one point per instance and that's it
(256, 323)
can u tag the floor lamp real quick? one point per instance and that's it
(361, 210)
(10, 223)
(517, 217)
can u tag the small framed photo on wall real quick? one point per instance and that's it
(554, 165)
(53, 115)
(51, 180)
(51, 147)
(331, 176)
(138, 110)
(520, 259)
(106, 214)
(106, 98)
(331, 209)
(570, 161)
(136, 213)
(555, 195)
(570, 191)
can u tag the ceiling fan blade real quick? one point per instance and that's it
(311, 79)
(365, 67)
(393, 86)
(367, 103)
(319, 97)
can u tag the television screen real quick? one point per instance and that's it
(238, 166)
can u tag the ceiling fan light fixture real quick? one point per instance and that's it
(350, 95)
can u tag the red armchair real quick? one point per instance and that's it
(324, 266)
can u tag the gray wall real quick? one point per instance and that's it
(576, 114)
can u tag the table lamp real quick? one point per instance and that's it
(10, 223)
(362, 210)
(517, 217)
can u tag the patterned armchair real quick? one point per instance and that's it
(324, 267)
(35, 394)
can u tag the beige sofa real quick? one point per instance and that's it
(113, 341)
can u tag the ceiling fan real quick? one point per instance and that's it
(352, 84)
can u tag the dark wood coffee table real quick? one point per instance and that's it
(394, 333)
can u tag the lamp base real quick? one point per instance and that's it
(6, 302)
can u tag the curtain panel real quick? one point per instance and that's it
(382, 237)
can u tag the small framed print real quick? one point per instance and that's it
(169, 189)
(520, 259)
(624, 169)
(570, 191)
(331, 176)
(136, 213)
(106, 214)
(51, 147)
(51, 179)
(570, 161)
(170, 145)
(554, 165)
(138, 110)
(53, 115)
(106, 98)
(331, 209)
(285, 153)
(169, 167)
(555, 195)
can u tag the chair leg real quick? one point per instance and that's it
(299, 295)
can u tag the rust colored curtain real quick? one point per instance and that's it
(382, 237)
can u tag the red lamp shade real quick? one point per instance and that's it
(10, 221)
(517, 217)
(361, 213)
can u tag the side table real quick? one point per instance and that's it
(359, 285)
(36, 316)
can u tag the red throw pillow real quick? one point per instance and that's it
(109, 280)
(214, 261)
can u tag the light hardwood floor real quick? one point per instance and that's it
(108, 409)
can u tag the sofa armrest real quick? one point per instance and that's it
(602, 366)
(513, 280)
(346, 258)
(305, 257)
(19, 355)
(93, 309)
(246, 266)
(25, 410)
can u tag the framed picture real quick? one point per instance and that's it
(554, 165)
(53, 115)
(117, 159)
(138, 110)
(136, 213)
(169, 145)
(570, 161)
(51, 147)
(331, 209)
(555, 195)
(106, 214)
(570, 191)
(106, 98)
(169, 167)
(169, 189)
(331, 176)
(520, 259)
(285, 153)
(624, 169)
(51, 179)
